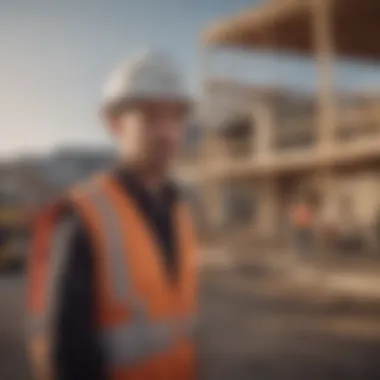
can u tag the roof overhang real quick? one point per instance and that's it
(287, 26)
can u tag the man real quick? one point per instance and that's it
(113, 295)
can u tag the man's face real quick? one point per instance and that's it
(151, 133)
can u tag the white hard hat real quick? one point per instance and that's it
(149, 76)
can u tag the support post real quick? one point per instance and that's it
(262, 118)
(268, 209)
(211, 199)
(324, 52)
(326, 117)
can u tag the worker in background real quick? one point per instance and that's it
(303, 227)
(112, 275)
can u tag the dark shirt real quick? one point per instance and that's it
(77, 353)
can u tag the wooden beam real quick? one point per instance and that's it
(281, 25)
(324, 52)
(231, 30)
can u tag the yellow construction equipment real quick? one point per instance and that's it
(14, 230)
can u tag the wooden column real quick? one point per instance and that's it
(326, 117)
(323, 37)
(213, 206)
(268, 214)
(263, 123)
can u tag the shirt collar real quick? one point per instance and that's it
(127, 178)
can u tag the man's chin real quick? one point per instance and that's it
(162, 164)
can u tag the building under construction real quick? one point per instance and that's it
(276, 149)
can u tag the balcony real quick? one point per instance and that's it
(293, 146)
(294, 133)
(358, 124)
(236, 136)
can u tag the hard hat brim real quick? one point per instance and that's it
(116, 108)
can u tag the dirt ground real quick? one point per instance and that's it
(260, 328)
(253, 326)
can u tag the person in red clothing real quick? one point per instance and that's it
(302, 221)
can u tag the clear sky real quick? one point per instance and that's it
(55, 55)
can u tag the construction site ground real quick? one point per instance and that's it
(270, 316)
(273, 315)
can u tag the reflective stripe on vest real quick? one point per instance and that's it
(40, 324)
(134, 342)
(140, 338)
(121, 283)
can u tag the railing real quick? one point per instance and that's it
(294, 133)
(356, 136)
(357, 124)
(189, 156)
(286, 136)
(239, 148)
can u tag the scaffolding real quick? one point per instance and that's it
(321, 29)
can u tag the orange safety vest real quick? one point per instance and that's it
(146, 323)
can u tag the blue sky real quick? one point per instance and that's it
(55, 55)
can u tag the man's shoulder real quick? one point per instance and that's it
(89, 183)
(70, 232)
